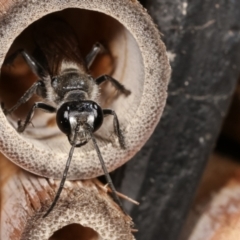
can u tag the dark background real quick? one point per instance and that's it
(203, 38)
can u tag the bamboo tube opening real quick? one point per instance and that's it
(137, 58)
(75, 232)
(121, 47)
(17, 78)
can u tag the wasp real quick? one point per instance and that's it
(64, 80)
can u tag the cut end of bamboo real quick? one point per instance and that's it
(84, 211)
(137, 59)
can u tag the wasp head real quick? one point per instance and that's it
(87, 115)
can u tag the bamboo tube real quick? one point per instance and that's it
(215, 214)
(140, 63)
(84, 210)
(220, 220)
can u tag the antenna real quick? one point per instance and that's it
(64, 173)
(107, 176)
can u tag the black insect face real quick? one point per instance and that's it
(86, 113)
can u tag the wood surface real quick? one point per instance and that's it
(202, 39)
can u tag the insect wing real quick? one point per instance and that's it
(58, 42)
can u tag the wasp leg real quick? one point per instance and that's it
(32, 63)
(43, 106)
(116, 126)
(114, 82)
(26, 96)
(96, 49)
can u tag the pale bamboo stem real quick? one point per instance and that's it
(84, 209)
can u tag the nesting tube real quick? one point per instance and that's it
(139, 61)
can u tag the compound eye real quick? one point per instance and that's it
(62, 118)
(98, 117)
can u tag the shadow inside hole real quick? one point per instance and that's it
(75, 232)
